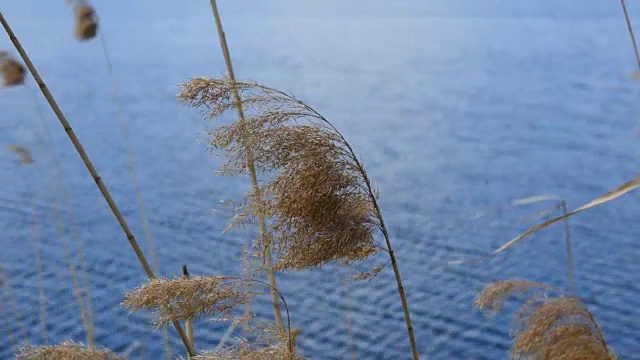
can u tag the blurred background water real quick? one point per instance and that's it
(457, 108)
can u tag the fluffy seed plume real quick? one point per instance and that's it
(86, 21)
(548, 328)
(185, 299)
(65, 351)
(270, 344)
(314, 188)
(23, 153)
(12, 71)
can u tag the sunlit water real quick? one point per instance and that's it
(455, 116)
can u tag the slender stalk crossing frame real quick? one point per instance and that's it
(252, 170)
(89, 165)
(630, 28)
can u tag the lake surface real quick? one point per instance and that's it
(457, 109)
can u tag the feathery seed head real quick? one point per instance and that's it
(13, 73)
(549, 328)
(65, 351)
(86, 21)
(188, 298)
(313, 189)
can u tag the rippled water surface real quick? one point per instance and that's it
(457, 109)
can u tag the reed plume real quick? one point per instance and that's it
(86, 21)
(270, 344)
(188, 298)
(316, 192)
(548, 327)
(12, 71)
(65, 351)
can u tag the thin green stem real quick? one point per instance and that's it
(89, 165)
(268, 260)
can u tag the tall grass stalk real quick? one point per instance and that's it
(142, 206)
(257, 193)
(567, 238)
(89, 165)
(40, 270)
(82, 292)
(623, 3)
(188, 323)
(8, 324)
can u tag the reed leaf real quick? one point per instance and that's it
(609, 196)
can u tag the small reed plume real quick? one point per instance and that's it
(86, 21)
(188, 298)
(24, 154)
(12, 71)
(548, 328)
(316, 192)
(65, 351)
(270, 344)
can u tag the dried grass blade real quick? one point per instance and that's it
(611, 195)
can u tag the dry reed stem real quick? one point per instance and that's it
(23, 152)
(187, 299)
(623, 3)
(142, 206)
(316, 191)
(12, 71)
(251, 168)
(65, 351)
(39, 269)
(81, 293)
(88, 164)
(548, 328)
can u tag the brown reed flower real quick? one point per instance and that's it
(23, 153)
(313, 187)
(86, 21)
(186, 299)
(270, 344)
(548, 328)
(65, 351)
(13, 73)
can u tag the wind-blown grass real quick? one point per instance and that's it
(317, 194)
(547, 328)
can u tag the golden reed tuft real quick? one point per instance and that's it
(270, 344)
(86, 21)
(313, 188)
(189, 298)
(65, 351)
(548, 328)
(13, 73)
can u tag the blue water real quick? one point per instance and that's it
(456, 107)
